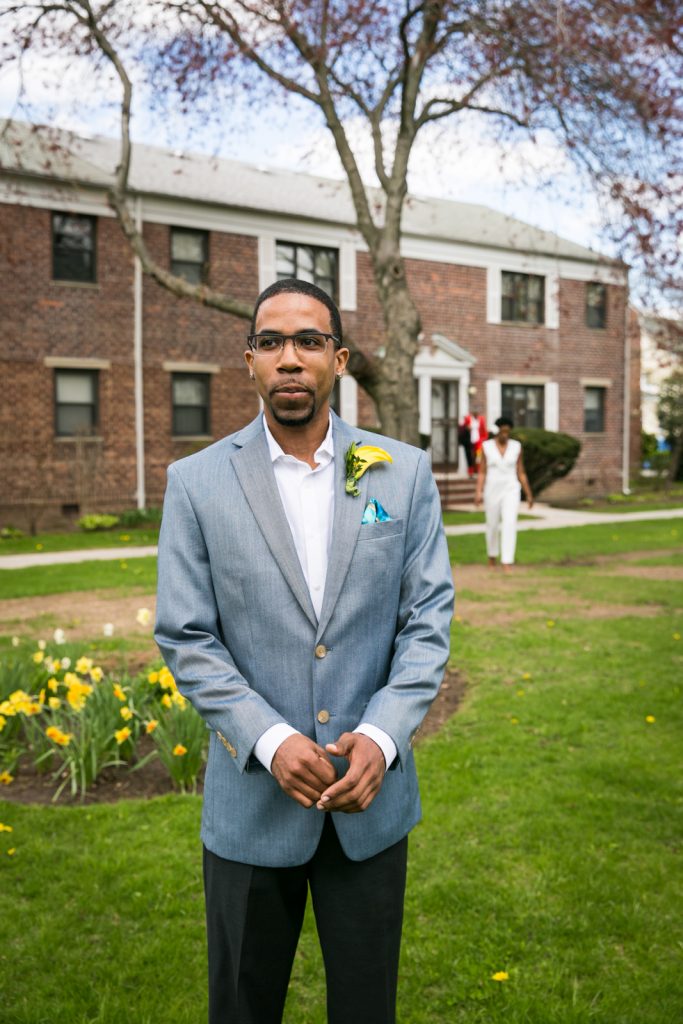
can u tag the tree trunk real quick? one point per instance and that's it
(396, 391)
(674, 461)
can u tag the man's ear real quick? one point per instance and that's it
(341, 358)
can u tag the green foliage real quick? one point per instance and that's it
(548, 455)
(648, 446)
(98, 522)
(11, 533)
(136, 517)
(135, 576)
(181, 740)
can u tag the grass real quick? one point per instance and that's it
(131, 576)
(79, 541)
(576, 543)
(465, 518)
(550, 845)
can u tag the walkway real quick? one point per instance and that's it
(546, 518)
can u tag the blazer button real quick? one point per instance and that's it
(323, 716)
(320, 651)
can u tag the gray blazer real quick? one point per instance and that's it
(237, 629)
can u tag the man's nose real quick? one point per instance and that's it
(289, 357)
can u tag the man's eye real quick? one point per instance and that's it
(311, 341)
(268, 342)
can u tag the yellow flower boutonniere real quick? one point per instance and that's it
(358, 458)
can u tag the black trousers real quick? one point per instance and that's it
(254, 917)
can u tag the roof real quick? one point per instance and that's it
(42, 152)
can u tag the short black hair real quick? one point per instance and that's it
(294, 285)
(504, 421)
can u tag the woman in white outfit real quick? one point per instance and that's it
(501, 473)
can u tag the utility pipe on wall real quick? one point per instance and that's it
(137, 364)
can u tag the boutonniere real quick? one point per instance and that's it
(358, 458)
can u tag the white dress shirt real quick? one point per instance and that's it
(307, 496)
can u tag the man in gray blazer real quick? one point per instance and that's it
(309, 626)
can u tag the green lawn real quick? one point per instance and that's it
(550, 847)
(130, 576)
(77, 540)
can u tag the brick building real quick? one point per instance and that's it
(107, 377)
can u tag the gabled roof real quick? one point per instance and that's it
(37, 151)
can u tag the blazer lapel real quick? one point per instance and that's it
(254, 471)
(348, 512)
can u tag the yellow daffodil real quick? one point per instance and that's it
(118, 692)
(83, 665)
(3, 722)
(500, 976)
(62, 739)
(121, 735)
(166, 701)
(166, 680)
(6, 778)
(151, 726)
(54, 702)
(77, 694)
(650, 719)
(126, 714)
(6, 828)
(38, 657)
(179, 750)
(179, 700)
(359, 458)
(53, 685)
(12, 850)
(96, 674)
(20, 704)
(70, 678)
(153, 677)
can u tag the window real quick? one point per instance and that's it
(523, 298)
(190, 399)
(594, 410)
(524, 404)
(190, 255)
(73, 247)
(75, 402)
(309, 263)
(596, 304)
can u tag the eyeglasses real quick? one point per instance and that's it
(308, 342)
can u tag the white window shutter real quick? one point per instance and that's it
(493, 295)
(267, 272)
(552, 406)
(347, 276)
(552, 301)
(494, 402)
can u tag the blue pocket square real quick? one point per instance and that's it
(374, 513)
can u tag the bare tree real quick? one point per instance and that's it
(603, 79)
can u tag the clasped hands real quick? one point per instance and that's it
(306, 773)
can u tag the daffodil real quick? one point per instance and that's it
(650, 719)
(500, 976)
(38, 657)
(151, 726)
(6, 828)
(153, 677)
(126, 714)
(62, 739)
(6, 778)
(77, 694)
(96, 674)
(166, 701)
(3, 722)
(59, 636)
(83, 665)
(166, 680)
(54, 702)
(121, 735)
(53, 685)
(118, 693)
(179, 750)
(143, 617)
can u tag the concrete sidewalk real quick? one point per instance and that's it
(546, 518)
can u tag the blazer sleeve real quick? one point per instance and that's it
(422, 644)
(188, 632)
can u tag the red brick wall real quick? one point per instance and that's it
(40, 317)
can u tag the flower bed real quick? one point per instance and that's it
(68, 719)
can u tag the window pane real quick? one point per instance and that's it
(596, 304)
(76, 387)
(308, 263)
(73, 248)
(188, 246)
(75, 419)
(305, 263)
(594, 410)
(193, 273)
(286, 261)
(188, 420)
(189, 391)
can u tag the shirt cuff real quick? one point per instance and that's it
(382, 739)
(266, 745)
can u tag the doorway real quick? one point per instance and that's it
(445, 415)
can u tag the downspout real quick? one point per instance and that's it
(137, 365)
(625, 465)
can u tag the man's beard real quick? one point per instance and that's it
(285, 420)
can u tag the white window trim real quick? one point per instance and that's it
(184, 367)
(76, 363)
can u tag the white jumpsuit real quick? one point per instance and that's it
(501, 499)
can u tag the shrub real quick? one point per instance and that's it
(11, 533)
(98, 522)
(548, 456)
(140, 517)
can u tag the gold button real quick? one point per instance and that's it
(323, 717)
(320, 651)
